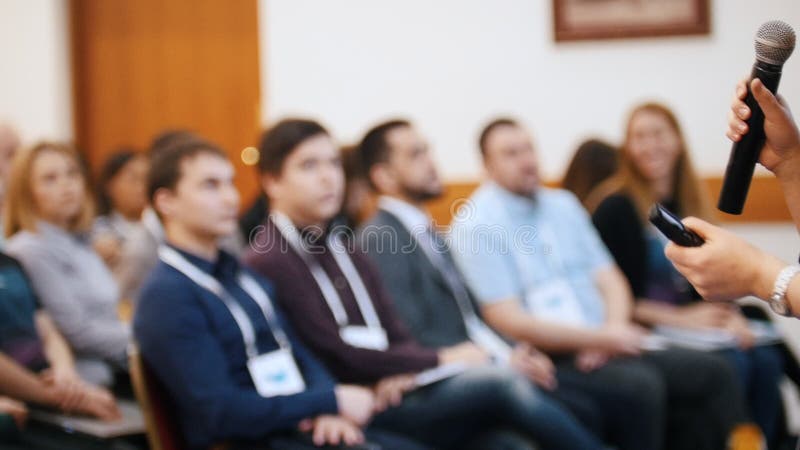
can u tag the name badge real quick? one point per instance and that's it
(365, 337)
(556, 301)
(276, 373)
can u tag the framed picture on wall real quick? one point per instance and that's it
(576, 20)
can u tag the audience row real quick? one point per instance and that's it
(528, 322)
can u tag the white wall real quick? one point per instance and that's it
(35, 86)
(450, 65)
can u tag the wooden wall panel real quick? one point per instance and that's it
(765, 201)
(143, 66)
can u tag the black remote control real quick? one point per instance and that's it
(673, 228)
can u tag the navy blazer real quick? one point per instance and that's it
(190, 340)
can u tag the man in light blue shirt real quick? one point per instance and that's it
(543, 276)
(535, 240)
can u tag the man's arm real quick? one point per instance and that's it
(510, 318)
(616, 293)
(790, 184)
(610, 281)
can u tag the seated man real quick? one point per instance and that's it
(139, 255)
(36, 364)
(543, 276)
(336, 301)
(209, 331)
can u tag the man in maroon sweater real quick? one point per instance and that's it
(335, 301)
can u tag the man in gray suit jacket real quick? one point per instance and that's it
(420, 290)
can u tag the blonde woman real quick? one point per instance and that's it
(48, 214)
(655, 167)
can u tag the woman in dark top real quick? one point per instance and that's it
(594, 161)
(655, 167)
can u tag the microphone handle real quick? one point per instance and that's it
(745, 153)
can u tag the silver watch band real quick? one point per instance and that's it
(778, 301)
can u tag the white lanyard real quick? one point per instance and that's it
(554, 298)
(329, 292)
(548, 249)
(549, 239)
(248, 284)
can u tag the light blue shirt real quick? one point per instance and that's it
(506, 244)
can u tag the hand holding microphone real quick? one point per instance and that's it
(782, 146)
(774, 43)
(761, 126)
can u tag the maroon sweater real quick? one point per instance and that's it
(302, 300)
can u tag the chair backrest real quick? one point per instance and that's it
(163, 432)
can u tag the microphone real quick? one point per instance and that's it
(774, 44)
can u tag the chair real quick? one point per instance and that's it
(163, 432)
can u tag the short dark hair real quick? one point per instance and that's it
(374, 147)
(278, 142)
(112, 166)
(169, 137)
(165, 165)
(490, 127)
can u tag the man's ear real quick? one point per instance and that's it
(488, 167)
(164, 202)
(269, 185)
(382, 177)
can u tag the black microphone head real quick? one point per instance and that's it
(774, 42)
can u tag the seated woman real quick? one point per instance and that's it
(655, 167)
(593, 162)
(36, 365)
(47, 217)
(122, 197)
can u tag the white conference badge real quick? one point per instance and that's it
(555, 300)
(276, 373)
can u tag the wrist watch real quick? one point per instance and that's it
(778, 301)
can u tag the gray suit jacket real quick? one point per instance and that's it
(419, 290)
